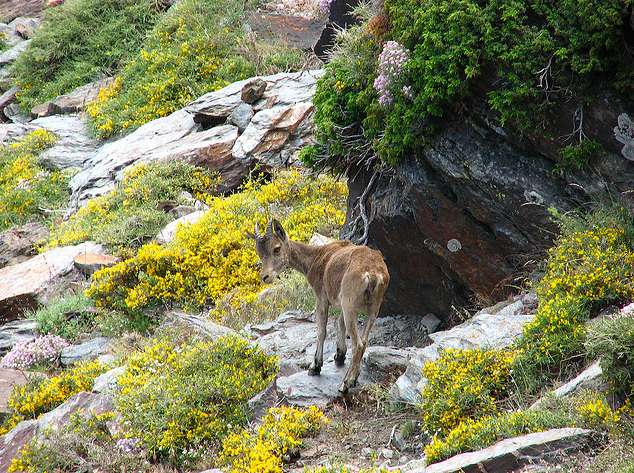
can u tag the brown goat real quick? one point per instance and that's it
(341, 274)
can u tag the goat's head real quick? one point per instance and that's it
(273, 249)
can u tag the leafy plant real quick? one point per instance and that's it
(263, 451)
(463, 384)
(181, 401)
(215, 256)
(40, 394)
(79, 42)
(67, 317)
(198, 46)
(131, 214)
(27, 190)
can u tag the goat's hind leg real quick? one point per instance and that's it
(321, 319)
(349, 380)
(340, 356)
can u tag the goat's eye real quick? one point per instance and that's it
(276, 250)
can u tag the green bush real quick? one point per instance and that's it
(181, 401)
(590, 267)
(528, 57)
(27, 190)
(197, 47)
(131, 214)
(79, 42)
(612, 341)
(67, 317)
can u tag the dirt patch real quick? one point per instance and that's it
(364, 431)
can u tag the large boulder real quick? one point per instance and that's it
(496, 327)
(83, 403)
(26, 285)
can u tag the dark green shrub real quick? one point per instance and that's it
(79, 42)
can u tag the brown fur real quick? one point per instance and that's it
(353, 278)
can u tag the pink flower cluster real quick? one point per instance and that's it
(324, 5)
(391, 62)
(26, 354)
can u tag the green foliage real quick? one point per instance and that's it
(463, 384)
(131, 214)
(197, 47)
(113, 323)
(528, 56)
(79, 42)
(591, 266)
(579, 155)
(83, 444)
(181, 401)
(27, 190)
(612, 341)
(67, 317)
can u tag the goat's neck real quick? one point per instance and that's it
(302, 256)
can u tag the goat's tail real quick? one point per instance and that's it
(372, 282)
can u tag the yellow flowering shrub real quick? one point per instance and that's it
(181, 401)
(215, 256)
(41, 394)
(198, 46)
(131, 214)
(585, 270)
(263, 451)
(463, 384)
(27, 190)
(470, 434)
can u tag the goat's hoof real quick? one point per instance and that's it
(314, 371)
(343, 389)
(340, 359)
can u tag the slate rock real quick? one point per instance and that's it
(19, 243)
(168, 233)
(88, 350)
(241, 116)
(11, 54)
(253, 90)
(107, 382)
(18, 331)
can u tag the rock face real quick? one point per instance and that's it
(463, 218)
(26, 285)
(9, 379)
(495, 327)
(10, 9)
(296, 31)
(85, 403)
(281, 124)
(18, 244)
(510, 454)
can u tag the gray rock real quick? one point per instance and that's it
(300, 389)
(19, 243)
(484, 330)
(624, 134)
(15, 332)
(9, 379)
(15, 114)
(85, 351)
(72, 102)
(590, 378)
(510, 454)
(241, 116)
(24, 27)
(74, 144)
(168, 233)
(293, 337)
(387, 360)
(107, 382)
(39, 278)
(11, 9)
(199, 324)
(10, 132)
(11, 54)
(83, 403)
(182, 210)
(169, 138)
(7, 98)
(253, 90)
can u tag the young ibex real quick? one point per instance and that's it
(341, 274)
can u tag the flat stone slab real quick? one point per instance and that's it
(510, 454)
(303, 390)
(16, 332)
(85, 351)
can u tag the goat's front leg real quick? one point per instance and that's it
(321, 319)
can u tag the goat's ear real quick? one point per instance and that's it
(251, 235)
(279, 230)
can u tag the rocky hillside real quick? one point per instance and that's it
(485, 147)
